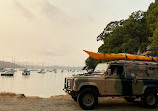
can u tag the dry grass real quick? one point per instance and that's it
(16, 95)
(33, 97)
(7, 94)
(18, 102)
(60, 96)
(23, 96)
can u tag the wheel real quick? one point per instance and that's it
(129, 99)
(74, 98)
(149, 99)
(87, 99)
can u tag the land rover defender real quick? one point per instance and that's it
(127, 79)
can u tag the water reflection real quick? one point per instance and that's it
(35, 84)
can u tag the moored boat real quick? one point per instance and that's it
(2, 69)
(26, 72)
(8, 73)
(42, 71)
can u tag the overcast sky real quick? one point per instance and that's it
(56, 31)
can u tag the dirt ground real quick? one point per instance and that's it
(17, 102)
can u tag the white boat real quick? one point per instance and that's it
(49, 70)
(42, 71)
(2, 69)
(8, 73)
(55, 70)
(26, 72)
(62, 71)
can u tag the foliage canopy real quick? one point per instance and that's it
(130, 35)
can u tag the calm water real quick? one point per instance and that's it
(35, 84)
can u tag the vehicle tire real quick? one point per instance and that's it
(87, 99)
(149, 99)
(130, 99)
(74, 98)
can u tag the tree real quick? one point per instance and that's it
(124, 36)
(152, 21)
(90, 63)
(109, 28)
(152, 16)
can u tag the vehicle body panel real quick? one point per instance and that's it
(127, 78)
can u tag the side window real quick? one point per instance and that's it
(116, 70)
(120, 70)
(138, 71)
(113, 69)
(130, 71)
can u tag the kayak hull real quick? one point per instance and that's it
(121, 56)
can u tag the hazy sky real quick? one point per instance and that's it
(56, 31)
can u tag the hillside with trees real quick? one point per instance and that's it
(4, 64)
(132, 35)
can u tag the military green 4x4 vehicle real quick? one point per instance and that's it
(127, 79)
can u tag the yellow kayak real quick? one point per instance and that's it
(121, 56)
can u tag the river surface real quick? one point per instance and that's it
(35, 84)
